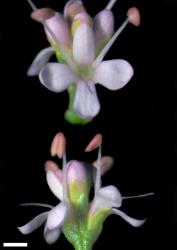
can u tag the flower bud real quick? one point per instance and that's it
(77, 183)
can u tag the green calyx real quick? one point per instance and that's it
(98, 217)
(79, 235)
(82, 229)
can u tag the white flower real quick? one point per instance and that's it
(75, 216)
(83, 52)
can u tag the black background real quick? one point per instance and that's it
(138, 124)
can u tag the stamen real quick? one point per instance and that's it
(60, 46)
(104, 51)
(36, 204)
(138, 196)
(110, 4)
(134, 16)
(98, 171)
(58, 146)
(94, 143)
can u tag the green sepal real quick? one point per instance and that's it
(98, 217)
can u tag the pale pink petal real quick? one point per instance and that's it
(84, 45)
(51, 236)
(60, 28)
(55, 184)
(103, 28)
(57, 216)
(111, 195)
(40, 60)
(113, 74)
(56, 77)
(130, 220)
(34, 223)
(86, 103)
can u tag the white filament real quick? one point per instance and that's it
(33, 6)
(36, 204)
(98, 172)
(110, 4)
(65, 193)
(138, 196)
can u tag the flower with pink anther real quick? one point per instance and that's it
(81, 43)
(80, 220)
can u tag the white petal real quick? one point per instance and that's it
(55, 184)
(86, 102)
(130, 220)
(51, 236)
(113, 74)
(56, 216)
(84, 45)
(106, 197)
(56, 77)
(110, 196)
(40, 60)
(34, 223)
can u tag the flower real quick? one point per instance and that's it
(80, 220)
(80, 44)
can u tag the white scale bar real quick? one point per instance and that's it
(15, 244)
